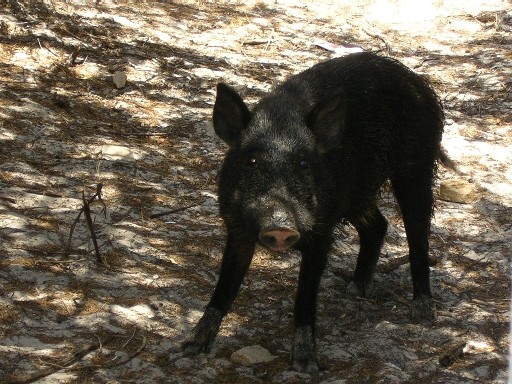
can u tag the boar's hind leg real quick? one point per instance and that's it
(413, 191)
(371, 230)
(235, 263)
(314, 259)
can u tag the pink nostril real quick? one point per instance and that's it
(279, 239)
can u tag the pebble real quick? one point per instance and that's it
(184, 363)
(118, 152)
(119, 79)
(472, 255)
(251, 355)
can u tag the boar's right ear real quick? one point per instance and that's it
(230, 115)
(327, 121)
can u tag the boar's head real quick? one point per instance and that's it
(272, 180)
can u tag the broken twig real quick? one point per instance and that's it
(86, 209)
(125, 360)
(87, 212)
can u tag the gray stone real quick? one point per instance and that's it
(120, 79)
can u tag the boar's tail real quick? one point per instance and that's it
(447, 162)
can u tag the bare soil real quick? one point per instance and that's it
(66, 129)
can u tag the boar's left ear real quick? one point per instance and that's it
(230, 114)
(327, 121)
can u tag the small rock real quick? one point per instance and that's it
(184, 363)
(482, 371)
(251, 355)
(221, 363)
(120, 79)
(292, 377)
(472, 255)
(457, 191)
(79, 303)
(118, 152)
(21, 296)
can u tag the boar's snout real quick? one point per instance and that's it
(279, 239)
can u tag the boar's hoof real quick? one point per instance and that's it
(203, 334)
(305, 366)
(304, 351)
(360, 289)
(423, 309)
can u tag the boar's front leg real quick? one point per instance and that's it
(235, 263)
(314, 260)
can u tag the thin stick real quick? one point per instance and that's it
(98, 195)
(86, 209)
(130, 339)
(398, 298)
(9, 199)
(381, 38)
(48, 49)
(72, 229)
(87, 212)
(140, 134)
(130, 357)
(54, 367)
(73, 58)
(257, 42)
(155, 215)
(115, 364)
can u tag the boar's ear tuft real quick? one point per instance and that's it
(327, 121)
(230, 114)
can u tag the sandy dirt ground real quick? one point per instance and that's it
(68, 131)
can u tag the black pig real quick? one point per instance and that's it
(312, 154)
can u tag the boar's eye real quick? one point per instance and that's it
(304, 163)
(251, 162)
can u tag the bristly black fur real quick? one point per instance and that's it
(314, 153)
